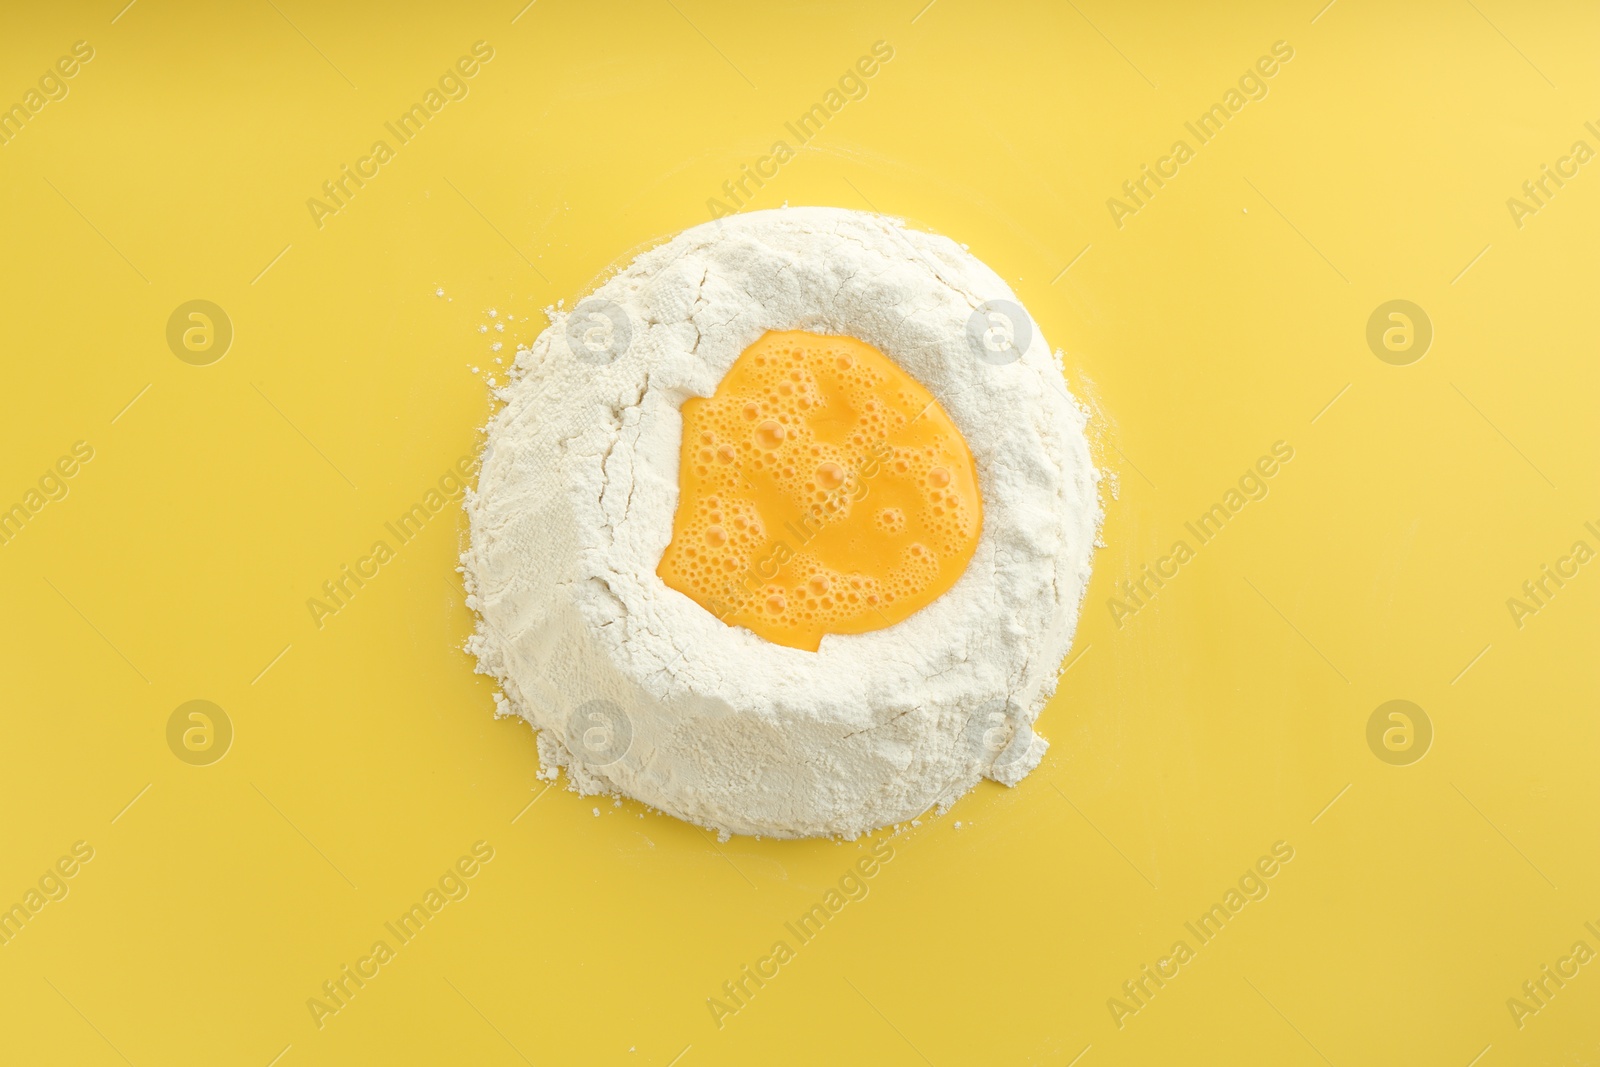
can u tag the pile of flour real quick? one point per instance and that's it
(637, 690)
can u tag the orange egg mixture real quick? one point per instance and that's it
(823, 490)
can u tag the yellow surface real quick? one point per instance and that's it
(822, 490)
(1225, 714)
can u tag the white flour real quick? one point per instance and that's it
(636, 689)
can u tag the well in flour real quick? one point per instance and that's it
(574, 510)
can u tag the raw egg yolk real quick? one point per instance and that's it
(822, 491)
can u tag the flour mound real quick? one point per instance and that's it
(636, 689)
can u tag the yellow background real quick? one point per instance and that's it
(1220, 718)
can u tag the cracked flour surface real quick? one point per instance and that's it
(637, 690)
